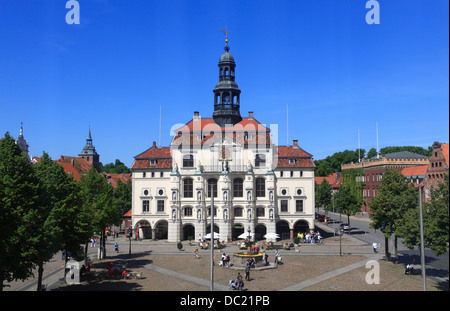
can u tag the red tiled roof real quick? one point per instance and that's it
(444, 148)
(113, 179)
(80, 164)
(208, 124)
(162, 156)
(70, 169)
(294, 156)
(420, 170)
(334, 180)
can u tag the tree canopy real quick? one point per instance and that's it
(117, 168)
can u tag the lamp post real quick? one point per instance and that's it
(341, 229)
(422, 246)
(212, 237)
(130, 235)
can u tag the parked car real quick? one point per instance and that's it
(321, 217)
(345, 227)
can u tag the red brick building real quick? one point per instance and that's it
(374, 169)
(439, 166)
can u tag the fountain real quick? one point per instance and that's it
(240, 259)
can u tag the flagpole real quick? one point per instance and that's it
(212, 237)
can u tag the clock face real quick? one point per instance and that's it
(225, 153)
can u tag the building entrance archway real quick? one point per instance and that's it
(283, 229)
(260, 232)
(161, 230)
(188, 231)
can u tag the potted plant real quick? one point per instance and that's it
(190, 239)
(179, 246)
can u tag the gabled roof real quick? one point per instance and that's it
(153, 157)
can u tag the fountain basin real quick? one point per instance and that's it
(240, 259)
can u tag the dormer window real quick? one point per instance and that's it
(291, 161)
(153, 162)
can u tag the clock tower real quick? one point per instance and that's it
(226, 92)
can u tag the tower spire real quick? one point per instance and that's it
(226, 32)
(226, 92)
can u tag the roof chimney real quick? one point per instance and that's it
(250, 115)
(154, 144)
(196, 115)
(295, 144)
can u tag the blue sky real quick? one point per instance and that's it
(125, 59)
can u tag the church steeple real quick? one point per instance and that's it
(226, 92)
(89, 152)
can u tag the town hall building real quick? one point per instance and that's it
(257, 187)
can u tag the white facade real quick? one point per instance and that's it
(258, 187)
(171, 199)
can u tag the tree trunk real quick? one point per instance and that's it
(395, 249)
(40, 273)
(386, 248)
(104, 243)
(85, 254)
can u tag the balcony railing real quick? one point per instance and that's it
(220, 168)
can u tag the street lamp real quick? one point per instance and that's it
(422, 247)
(212, 237)
(130, 235)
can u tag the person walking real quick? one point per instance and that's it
(116, 247)
(375, 246)
(240, 282)
(277, 254)
(247, 272)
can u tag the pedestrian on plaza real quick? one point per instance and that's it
(375, 246)
(277, 254)
(240, 282)
(116, 247)
(92, 242)
(247, 272)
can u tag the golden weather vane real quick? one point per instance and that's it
(226, 32)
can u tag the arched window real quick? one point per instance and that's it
(238, 211)
(238, 188)
(188, 160)
(260, 187)
(188, 188)
(188, 211)
(212, 182)
(209, 212)
(260, 160)
(260, 211)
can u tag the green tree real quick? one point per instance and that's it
(372, 153)
(56, 192)
(117, 168)
(18, 199)
(435, 222)
(323, 194)
(98, 198)
(323, 168)
(122, 197)
(346, 201)
(394, 199)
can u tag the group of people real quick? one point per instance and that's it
(310, 237)
(225, 260)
